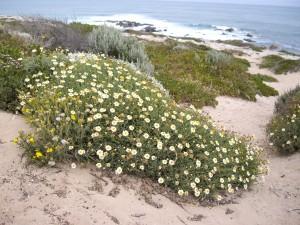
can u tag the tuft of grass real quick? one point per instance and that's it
(280, 65)
(240, 43)
(197, 74)
(284, 128)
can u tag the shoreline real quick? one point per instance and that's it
(146, 26)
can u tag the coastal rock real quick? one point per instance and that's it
(249, 35)
(150, 29)
(273, 47)
(127, 24)
(230, 30)
(248, 40)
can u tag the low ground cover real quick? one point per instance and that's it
(280, 65)
(197, 74)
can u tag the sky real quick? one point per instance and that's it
(251, 2)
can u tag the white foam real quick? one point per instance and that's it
(216, 32)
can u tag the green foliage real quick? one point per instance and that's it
(280, 65)
(97, 110)
(11, 74)
(82, 27)
(112, 42)
(196, 75)
(288, 101)
(218, 60)
(262, 88)
(284, 128)
(240, 43)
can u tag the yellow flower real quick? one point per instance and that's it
(38, 154)
(31, 140)
(16, 140)
(73, 117)
(49, 150)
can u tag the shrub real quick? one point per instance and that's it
(12, 50)
(81, 27)
(284, 128)
(112, 42)
(280, 65)
(218, 60)
(97, 110)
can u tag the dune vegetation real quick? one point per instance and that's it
(280, 65)
(284, 128)
(196, 74)
(240, 43)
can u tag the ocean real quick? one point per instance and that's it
(263, 24)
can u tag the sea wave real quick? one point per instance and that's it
(164, 27)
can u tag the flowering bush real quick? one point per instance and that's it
(12, 50)
(284, 128)
(93, 109)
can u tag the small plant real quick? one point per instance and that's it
(280, 65)
(112, 42)
(284, 128)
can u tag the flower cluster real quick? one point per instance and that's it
(98, 110)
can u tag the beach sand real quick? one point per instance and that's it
(83, 196)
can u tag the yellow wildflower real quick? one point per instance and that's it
(16, 140)
(31, 140)
(73, 117)
(49, 150)
(38, 154)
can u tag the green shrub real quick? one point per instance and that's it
(218, 60)
(12, 50)
(280, 65)
(81, 27)
(97, 110)
(113, 42)
(284, 128)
